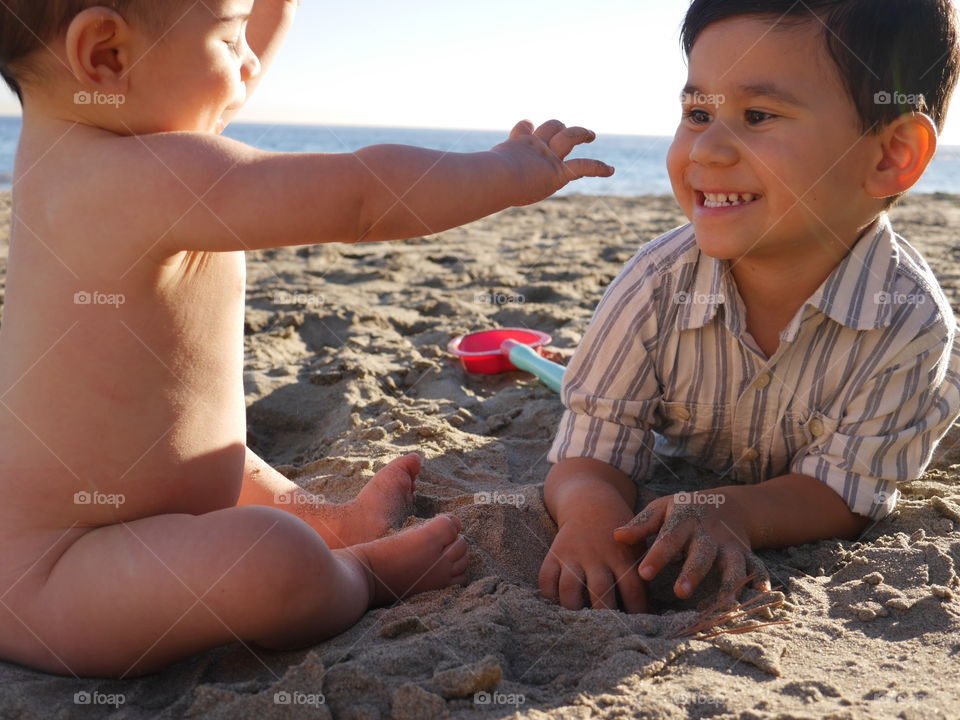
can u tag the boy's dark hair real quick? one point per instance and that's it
(894, 56)
(28, 25)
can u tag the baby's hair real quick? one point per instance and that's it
(894, 56)
(27, 26)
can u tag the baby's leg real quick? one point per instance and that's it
(131, 598)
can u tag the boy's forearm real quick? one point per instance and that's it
(794, 509)
(409, 192)
(582, 487)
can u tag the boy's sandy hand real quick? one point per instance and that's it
(710, 531)
(540, 158)
(585, 560)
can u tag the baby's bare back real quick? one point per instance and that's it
(121, 390)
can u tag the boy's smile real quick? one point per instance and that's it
(769, 155)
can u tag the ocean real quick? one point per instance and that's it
(640, 160)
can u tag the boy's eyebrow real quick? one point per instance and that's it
(761, 89)
(767, 89)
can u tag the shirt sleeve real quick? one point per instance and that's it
(891, 426)
(610, 389)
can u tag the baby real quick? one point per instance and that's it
(787, 338)
(136, 527)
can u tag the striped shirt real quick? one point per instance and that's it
(864, 383)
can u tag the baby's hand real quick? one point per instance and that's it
(540, 158)
(710, 532)
(585, 560)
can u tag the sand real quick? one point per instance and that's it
(354, 372)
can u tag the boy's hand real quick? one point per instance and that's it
(540, 158)
(584, 556)
(710, 527)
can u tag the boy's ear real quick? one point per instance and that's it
(907, 146)
(98, 49)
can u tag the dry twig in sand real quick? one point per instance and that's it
(720, 614)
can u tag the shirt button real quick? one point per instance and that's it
(751, 455)
(682, 413)
(763, 381)
(816, 427)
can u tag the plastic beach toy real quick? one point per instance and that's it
(497, 351)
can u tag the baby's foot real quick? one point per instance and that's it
(383, 503)
(428, 557)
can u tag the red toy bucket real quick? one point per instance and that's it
(480, 351)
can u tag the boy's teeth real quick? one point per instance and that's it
(728, 199)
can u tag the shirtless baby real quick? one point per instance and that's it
(136, 528)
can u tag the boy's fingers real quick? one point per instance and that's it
(733, 569)
(642, 526)
(601, 586)
(572, 588)
(581, 168)
(524, 127)
(664, 549)
(550, 128)
(549, 578)
(700, 557)
(633, 591)
(756, 567)
(564, 142)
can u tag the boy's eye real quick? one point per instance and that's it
(234, 45)
(697, 117)
(755, 117)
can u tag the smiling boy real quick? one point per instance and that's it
(136, 528)
(787, 338)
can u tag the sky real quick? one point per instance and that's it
(614, 66)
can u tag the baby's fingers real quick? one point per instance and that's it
(565, 141)
(524, 127)
(549, 578)
(572, 588)
(601, 585)
(548, 130)
(581, 168)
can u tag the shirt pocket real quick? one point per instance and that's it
(699, 432)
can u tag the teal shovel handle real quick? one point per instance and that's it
(526, 358)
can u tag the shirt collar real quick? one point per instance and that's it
(857, 294)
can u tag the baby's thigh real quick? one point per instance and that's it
(136, 596)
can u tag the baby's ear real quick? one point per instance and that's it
(98, 49)
(907, 145)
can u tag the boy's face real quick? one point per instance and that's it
(188, 79)
(766, 117)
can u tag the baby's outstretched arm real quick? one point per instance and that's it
(202, 192)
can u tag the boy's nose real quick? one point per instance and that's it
(715, 146)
